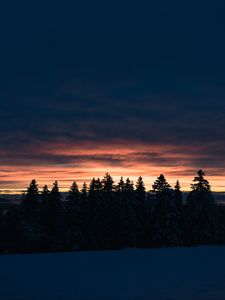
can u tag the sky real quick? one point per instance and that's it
(135, 88)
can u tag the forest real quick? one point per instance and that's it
(105, 215)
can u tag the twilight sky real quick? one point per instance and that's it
(130, 87)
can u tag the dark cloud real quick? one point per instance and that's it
(149, 73)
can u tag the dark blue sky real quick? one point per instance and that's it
(93, 73)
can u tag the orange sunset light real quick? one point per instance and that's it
(66, 162)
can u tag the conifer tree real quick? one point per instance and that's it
(200, 212)
(95, 189)
(131, 211)
(165, 215)
(177, 186)
(108, 183)
(161, 184)
(129, 186)
(73, 196)
(178, 195)
(45, 190)
(55, 197)
(74, 217)
(53, 218)
(94, 207)
(29, 225)
(140, 188)
(44, 211)
(95, 186)
(30, 201)
(122, 215)
(109, 212)
(86, 218)
(200, 183)
(84, 192)
(44, 194)
(120, 186)
(141, 226)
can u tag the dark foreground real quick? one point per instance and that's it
(157, 274)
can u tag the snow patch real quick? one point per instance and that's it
(132, 274)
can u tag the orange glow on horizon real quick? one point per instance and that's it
(67, 162)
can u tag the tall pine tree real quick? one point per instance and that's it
(165, 215)
(30, 201)
(53, 219)
(142, 225)
(94, 208)
(123, 217)
(74, 217)
(29, 225)
(130, 196)
(200, 213)
(109, 213)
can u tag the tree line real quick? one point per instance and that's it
(105, 215)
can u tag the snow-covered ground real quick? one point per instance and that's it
(133, 274)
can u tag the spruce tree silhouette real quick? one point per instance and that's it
(74, 215)
(84, 192)
(95, 186)
(74, 193)
(107, 183)
(129, 187)
(200, 213)
(201, 184)
(141, 226)
(86, 217)
(140, 188)
(45, 194)
(165, 215)
(53, 218)
(30, 202)
(177, 189)
(44, 212)
(95, 210)
(161, 184)
(131, 211)
(29, 224)
(109, 213)
(120, 187)
(178, 197)
(122, 210)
